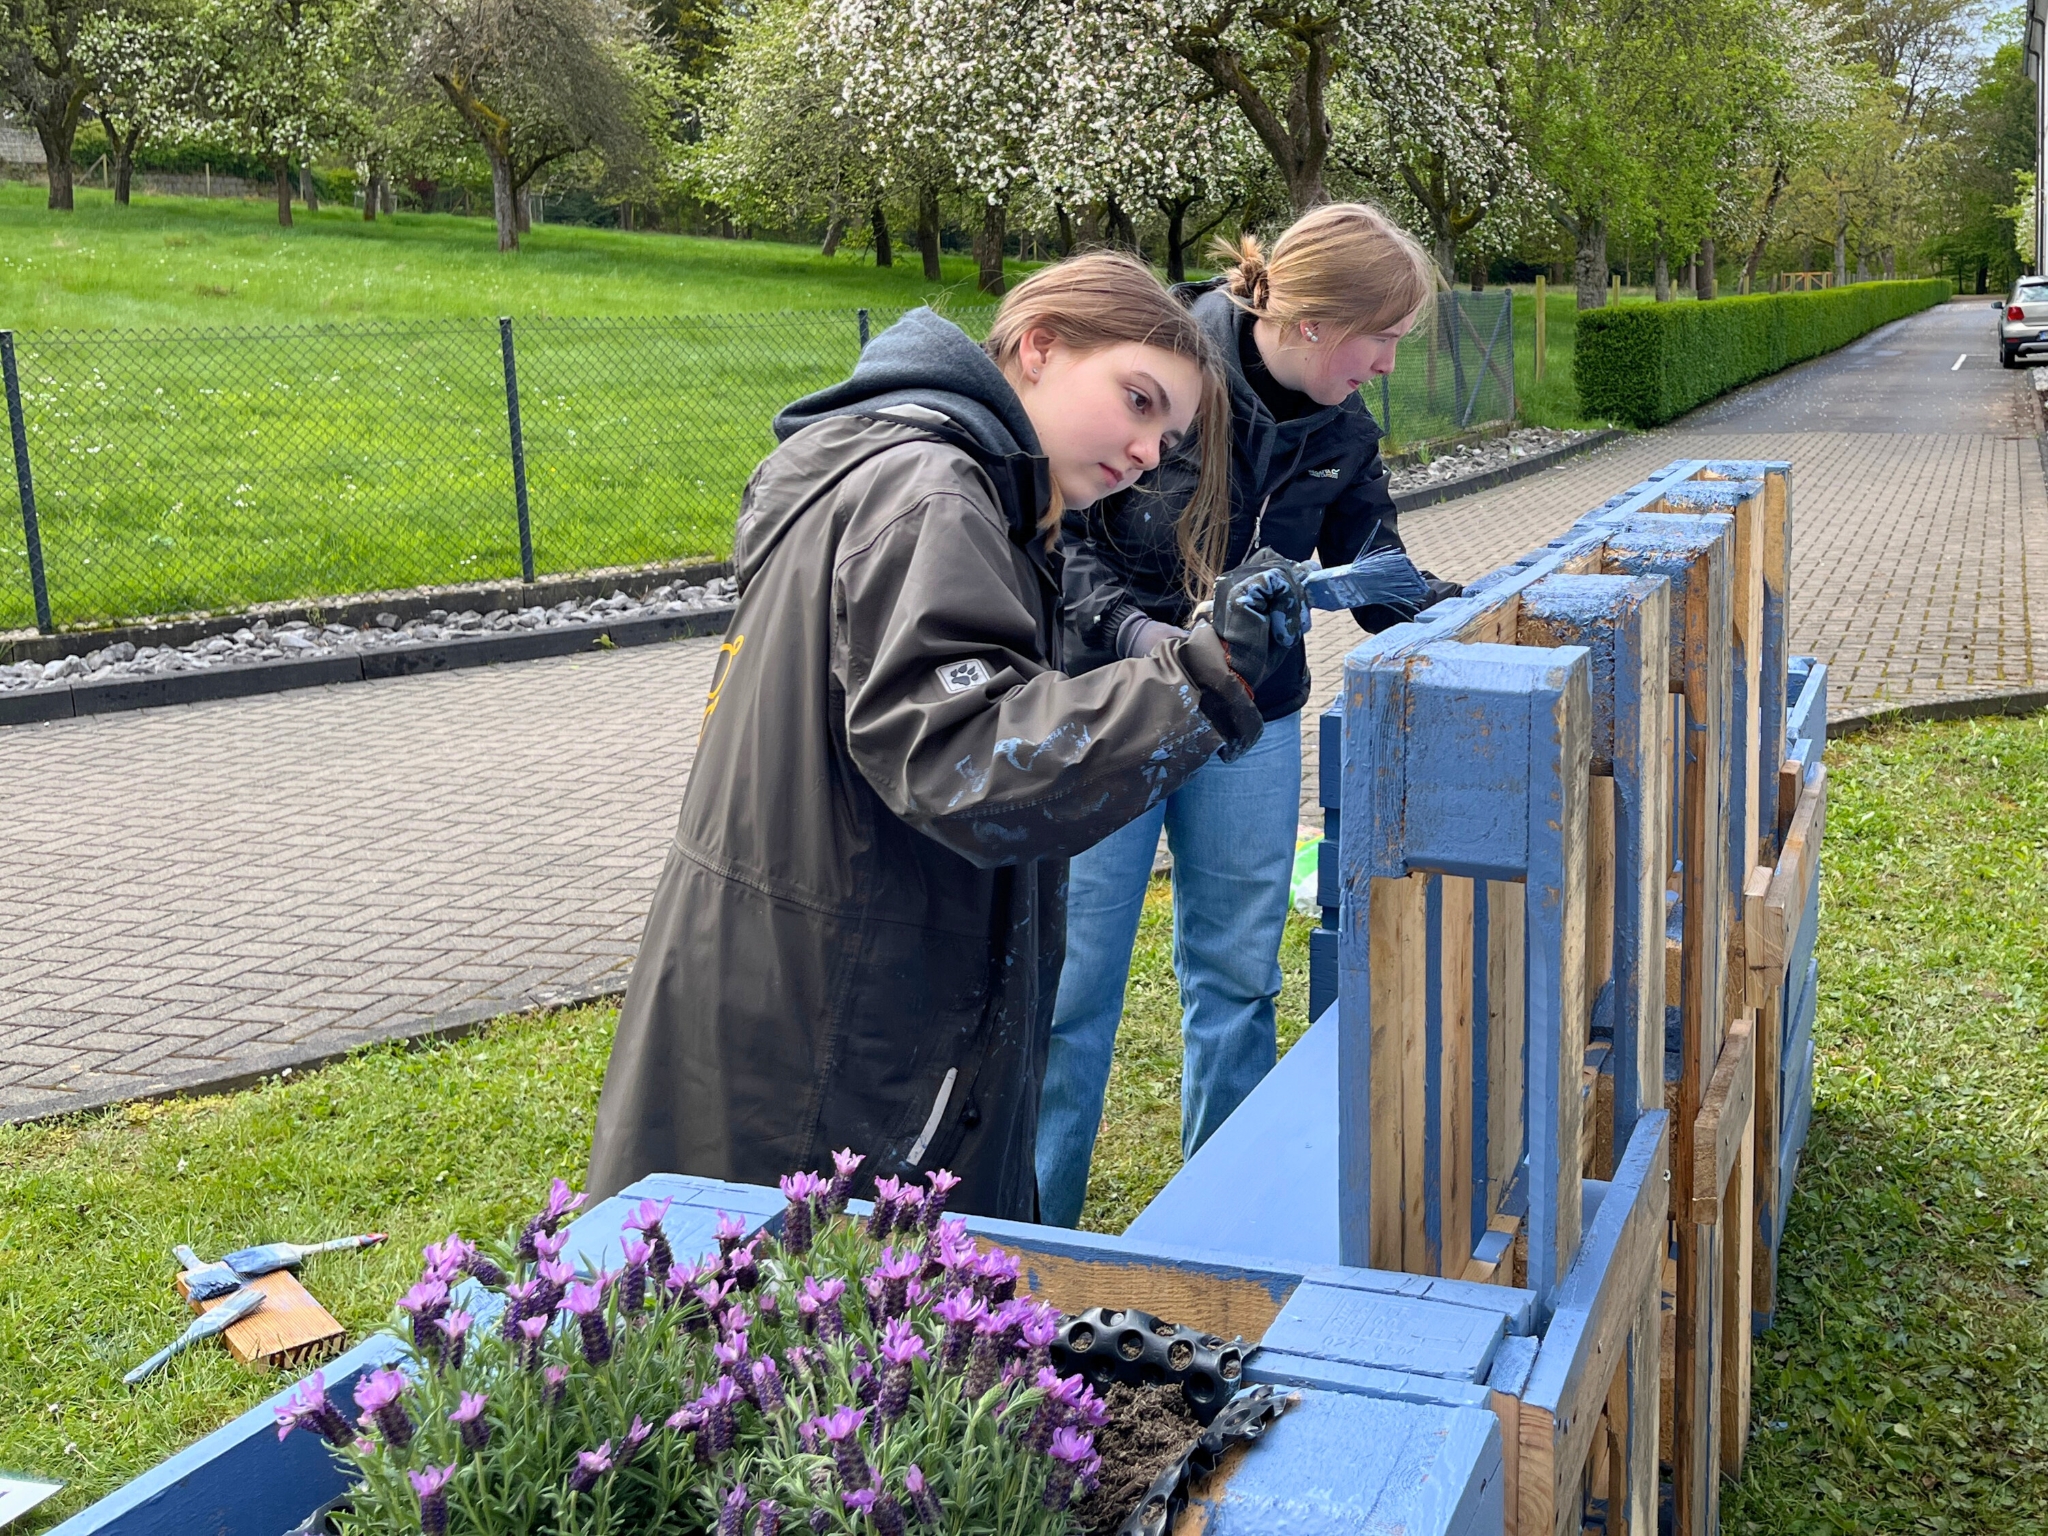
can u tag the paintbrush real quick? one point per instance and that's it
(270, 1257)
(205, 1281)
(219, 1320)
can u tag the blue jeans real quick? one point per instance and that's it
(1231, 828)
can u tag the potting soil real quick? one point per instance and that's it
(1149, 1428)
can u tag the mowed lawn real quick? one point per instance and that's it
(222, 412)
(1899, 1391)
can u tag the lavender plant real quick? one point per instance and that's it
(878, 1375)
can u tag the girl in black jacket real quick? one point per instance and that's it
(1299, 331)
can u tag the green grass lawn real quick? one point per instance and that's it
(187, 261)
(1899, 1391)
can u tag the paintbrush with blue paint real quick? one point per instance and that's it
(205, 1326)
(247, 1263)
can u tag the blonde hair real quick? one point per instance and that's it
(1106, 299)
(1343, 264)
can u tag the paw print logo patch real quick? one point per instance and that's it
(959, 676)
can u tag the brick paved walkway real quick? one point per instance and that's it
(194, 895)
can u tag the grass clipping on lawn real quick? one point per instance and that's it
(1897, 1393)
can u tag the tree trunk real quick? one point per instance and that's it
(57, 142)
(835, 231)
(1589, 264)
(1709, 279)
(988, 249)
(1066, 217)
(124, 164)
(1841, 242)
(1478, 274)
(1122, 232)
(928, 232)
(503, 206)
(308, 193)
(373, 192)
(1176, 212)
(522, 210)
(281, 174)
(1445, 249)
(1891, 263)
(390, 197)
(885, 255)
(1663, 278)
(1763, 226)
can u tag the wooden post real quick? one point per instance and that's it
(1542, 326)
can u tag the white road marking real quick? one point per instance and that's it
(1952, 367)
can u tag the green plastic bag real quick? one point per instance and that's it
(1307, 858)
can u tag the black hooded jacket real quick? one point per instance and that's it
(1313, 485)
(858, 933)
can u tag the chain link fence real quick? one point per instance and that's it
(166, 472)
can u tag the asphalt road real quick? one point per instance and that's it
(1900, 378)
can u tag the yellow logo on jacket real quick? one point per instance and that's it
(728, 653)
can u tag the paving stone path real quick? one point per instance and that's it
(200, 894)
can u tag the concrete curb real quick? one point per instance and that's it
(69, 699)
(201, 1082)
(1970, 707)
(1451, 490)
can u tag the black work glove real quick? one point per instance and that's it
(1221, 693)
(1260, 614)
(1439, 589)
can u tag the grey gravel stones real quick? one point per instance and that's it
(260, 640)
(1479, 458)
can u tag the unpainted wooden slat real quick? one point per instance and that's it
(1505, 1031)
(1397, 937)
(1767, 1118)
(1719, 1129)
(1738, 1262)
(1454, 1134)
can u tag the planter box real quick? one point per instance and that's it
(1396, 1429)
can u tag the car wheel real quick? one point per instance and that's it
(2009, 357)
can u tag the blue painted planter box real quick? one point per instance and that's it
(1395, 1430)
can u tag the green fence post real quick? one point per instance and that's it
(518, 451)
(38, 582)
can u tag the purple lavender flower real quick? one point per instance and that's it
(432, 1487)
(646, 1220)
(586, 1304)
(479, 1267)
(769, 1308)
(887, 1514)
(549, 1245)
(882, 1219)
(444, 1259)
(768, 1385)
(555, 1278)
(468, 1418)
(732, 1511)
(721, 1419)
(901, 1349)
(924, 1503)
(866, 1390)
(824, 1295)
(554, 1382)
(799, 1361)
(896, 1271)
(530, 1331)
(377, 1395)
(819, 1519)
(860, 1500)
(561, 1201)
(710, 1297)
(731, 1232)
(633, 1279)
(521, 1301)
(1090, 1412)
(985, 1360)
(802, 1191)
(732, 1355)
(943, 1182)
(960, 1311)
(745, 1267)
(454, 1330)
(590, 1466)
(842, 1427)
(311, 1407)
(909, 1210)
(424, 1302)
(636, 1436)
(845, 1164)
(1073, 1457)
(1040, 1328)
(767, 1518)
(995, 1275)
(1055, 1410)
(732, 1320)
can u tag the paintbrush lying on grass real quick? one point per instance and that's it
(233, 1310)
(247, 1263)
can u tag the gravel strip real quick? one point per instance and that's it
(260, 641)
(1479, 458)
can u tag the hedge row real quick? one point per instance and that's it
(1646, 363)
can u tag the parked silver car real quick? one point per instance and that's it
(2023, 323)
